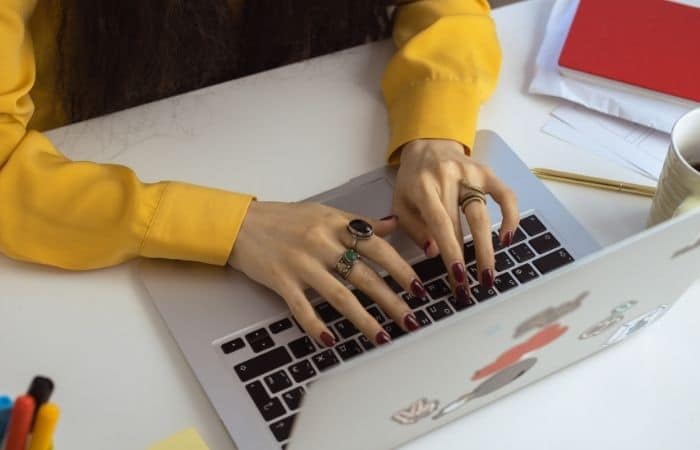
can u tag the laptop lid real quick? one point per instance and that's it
(443, 372)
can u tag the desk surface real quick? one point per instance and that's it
(122, 383)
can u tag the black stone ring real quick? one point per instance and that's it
(360, 231)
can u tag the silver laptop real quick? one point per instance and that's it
(557, 299)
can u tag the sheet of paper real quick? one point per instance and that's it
(188, 439)
(547, 80)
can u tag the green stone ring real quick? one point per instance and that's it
(346, 262)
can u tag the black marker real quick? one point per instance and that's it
(40, 389)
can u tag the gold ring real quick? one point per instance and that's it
(471, 197)
(472, 188)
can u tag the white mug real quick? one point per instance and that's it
(678, 191)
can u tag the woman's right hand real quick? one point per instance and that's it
(290, 247)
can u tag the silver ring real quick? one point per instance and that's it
(347, 262)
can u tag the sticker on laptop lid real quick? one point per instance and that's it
(549, 315)
(631, 327)
(616, 315)
(416, 411)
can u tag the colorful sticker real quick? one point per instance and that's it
(686, 249)
(616, 315)
(635, 325)
(418, 410)
(549, 315)
(496, 382)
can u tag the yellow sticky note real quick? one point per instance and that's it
(188, 439)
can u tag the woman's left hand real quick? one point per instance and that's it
(433, 176)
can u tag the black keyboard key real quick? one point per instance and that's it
(525, 273)
(270, 408)
(460, 305)
(439, 310)
(259, 340)
(437, 289)
(496, 241)
(414, 302)
(394, 330)
(544, 243)
(232, 346)
(522, 253)
(346, 329)
(293, 398)
(280, 325)
(302, 346)
(430, 268)
(262, 364)
(518, 236)
(422, 318)
(469, 252)
(378, 316)
(365, 301)
(325, 360)
(481, 294)
(303, 370)
(366, 344)
(504, 281)
(278, 381)
(326, 312)
(503, 262)
(348, 349)
(396, 287)
(552, 261)
(532, 225)
(282, 428)
(474, 272)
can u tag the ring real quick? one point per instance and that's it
(471, 197)
(346, 262)
(472, 188)
(360, 231)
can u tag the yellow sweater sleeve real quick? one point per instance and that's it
(82, 215)
(446, 65)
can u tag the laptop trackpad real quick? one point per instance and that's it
(372, 199)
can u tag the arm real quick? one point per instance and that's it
(446, 65)
(81, 215)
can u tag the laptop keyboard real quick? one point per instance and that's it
(285, 360)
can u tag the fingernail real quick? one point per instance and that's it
(382, 338)
(507, 239)
(418, 289)
(461, 295)
(411, 322)
(487, 278)
(426, 246)
(328, 339)
(458, 272)
(393, 216)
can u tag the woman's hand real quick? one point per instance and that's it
(290, 247)
(431, 181)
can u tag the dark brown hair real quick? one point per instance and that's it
(119, 53)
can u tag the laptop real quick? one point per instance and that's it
(555, 301)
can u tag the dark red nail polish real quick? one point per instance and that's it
(458, 272)
(382, 338)
(487, 278)
(418, 289)
(393, 216)
(411, 322)
(507, 239)
(328, 339)
(426, 246)
(462, 296)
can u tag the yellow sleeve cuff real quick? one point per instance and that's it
(433, 109)
(195, 223)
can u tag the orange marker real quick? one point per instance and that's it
(20, 421)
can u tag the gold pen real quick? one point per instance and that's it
(594, 182)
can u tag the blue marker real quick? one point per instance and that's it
(5, 410)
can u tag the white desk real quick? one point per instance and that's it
(122, 383)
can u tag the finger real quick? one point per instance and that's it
(480, 225)
(367, 280)
(414, 225)
(304, 313)
(346, 303)
(442, 227)
(450, 200)
(508, 202)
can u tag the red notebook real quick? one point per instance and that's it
(650, 44)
